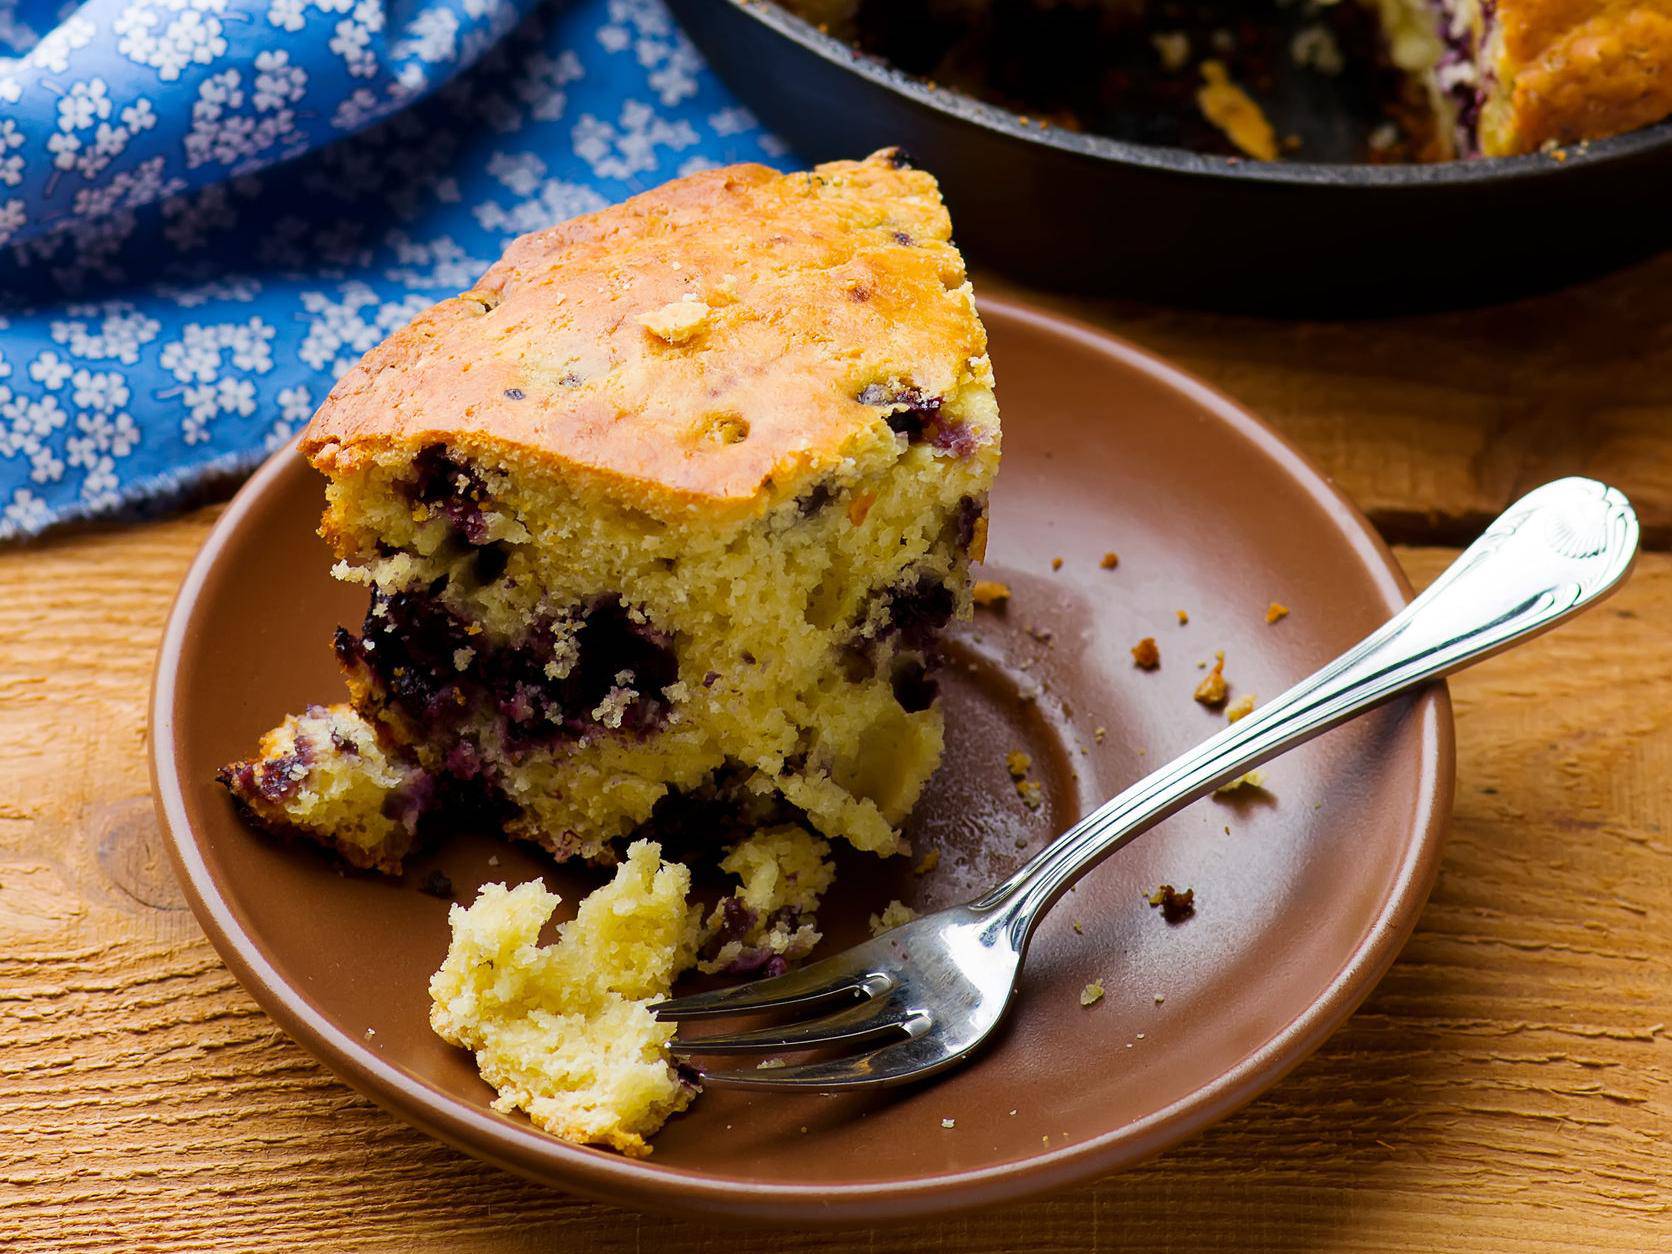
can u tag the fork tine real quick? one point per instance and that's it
(819, 982)
(863, 1022)
(892, 1064)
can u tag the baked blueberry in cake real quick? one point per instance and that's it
(667, 511)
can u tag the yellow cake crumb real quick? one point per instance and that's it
(1234, 112)
(1056, 563)
(1017, 763)
(1184, 616)
(1248, 779)
(1146, 655)
(1213, 688)
(894, 914)
(989, 593)
(1275, 611)
(678, 321)
(1242, 707)
(1110, 560)
(564, 1031)
(929, 862)
(1091, 993)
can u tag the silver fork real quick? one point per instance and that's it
(919, 999)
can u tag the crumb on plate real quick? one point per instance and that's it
(1175, 906)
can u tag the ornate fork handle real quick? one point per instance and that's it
(1555, 551)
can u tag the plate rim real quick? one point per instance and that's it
(522, 1149)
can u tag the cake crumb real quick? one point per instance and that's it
(930, 861)
(949, 1123)
(1184, 616)
(1175, 906)
(1159, 999)
(677, 322)
(1056, 563)
(1275, 611)
(1032, 795)
(370, 1032)
(1248, 779)
(1111, 559)
(493, 859)
(1145, 655)
(1213, 689)
(1098, 734)
(1078, 930)
(1242, 707)
(1234, 112)
(894, 914)
(989, 593)
(769, 1064)
(1018, 764)
(1173, 47)
(1091, 993)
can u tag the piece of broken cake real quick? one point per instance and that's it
(665, 513)
(564, 1031)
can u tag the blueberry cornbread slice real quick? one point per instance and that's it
(564, 1031)
(669, 509)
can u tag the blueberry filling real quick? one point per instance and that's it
(452, 488)
(918, 610)
(571, 676)
(814, 499)
(914, 687)
(969, 514)
(917, 416)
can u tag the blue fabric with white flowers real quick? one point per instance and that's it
(174, 302)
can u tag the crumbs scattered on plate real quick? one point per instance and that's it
(990, 593)
(1145, 655)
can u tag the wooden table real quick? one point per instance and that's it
(1508, 1087)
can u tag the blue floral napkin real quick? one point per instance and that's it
(174, 302)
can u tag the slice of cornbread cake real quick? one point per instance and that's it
(668, 510)
(564, 1031)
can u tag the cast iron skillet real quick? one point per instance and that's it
(1088, 213)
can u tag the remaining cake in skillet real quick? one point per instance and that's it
(663, 515)
(1499, 77)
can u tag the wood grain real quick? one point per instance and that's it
(1434, 423)
(1508, 1086)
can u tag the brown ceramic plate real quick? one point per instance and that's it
(1300, 905)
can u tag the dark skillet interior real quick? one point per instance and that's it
(1090, 213)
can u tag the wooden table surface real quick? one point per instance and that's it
(1508, 1086)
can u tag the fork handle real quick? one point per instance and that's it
(1556, 551)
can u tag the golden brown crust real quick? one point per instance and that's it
(1569, 70)
(577, 346)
